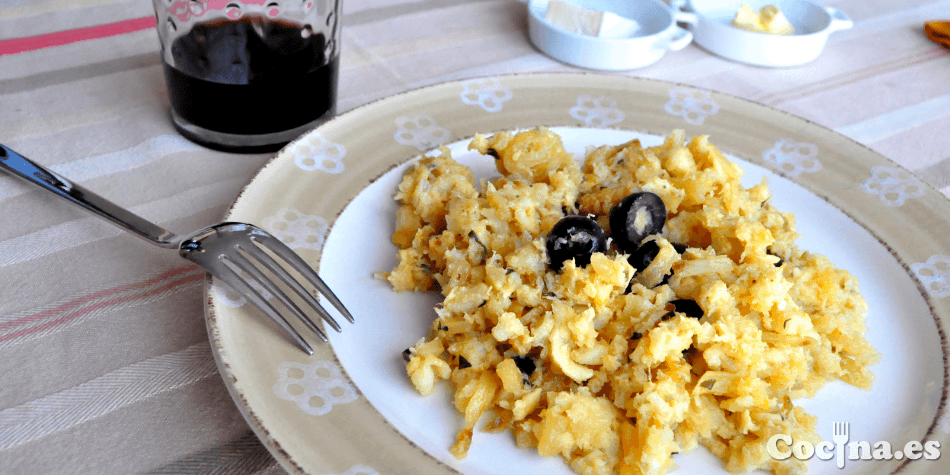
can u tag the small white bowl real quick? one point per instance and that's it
(711, 24)
(658, 34)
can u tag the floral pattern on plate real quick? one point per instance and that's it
(314, 387)
(297, 230)
(793, 158)
(597, 111)
(231, 298)
(693, 105)
(318, 153)
(893, 185)
(488, 93)
(420, 131)
(934, 274)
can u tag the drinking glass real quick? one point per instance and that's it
(249, 75)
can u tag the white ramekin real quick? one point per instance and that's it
(710, 23)
(658, 34)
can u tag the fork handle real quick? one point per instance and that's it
(50, 181)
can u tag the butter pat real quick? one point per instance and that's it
(769, 19)
(589, 22)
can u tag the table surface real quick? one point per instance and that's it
(103, 349)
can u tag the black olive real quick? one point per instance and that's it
(642, 256)
(575, 237)
(780, 260)
(524, 364)
(687, 306)
(636, 217)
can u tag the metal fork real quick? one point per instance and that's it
(225, 250)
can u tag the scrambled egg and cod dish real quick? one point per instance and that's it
(634, 348)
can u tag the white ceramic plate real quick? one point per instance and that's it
(350, 409)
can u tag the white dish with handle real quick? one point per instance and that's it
(658, 33)
(711, 24)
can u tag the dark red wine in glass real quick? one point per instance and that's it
(251, 84)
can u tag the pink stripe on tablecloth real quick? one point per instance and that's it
(107, 303)
(30, 43)
(93, 296)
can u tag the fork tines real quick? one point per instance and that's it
(244, 260)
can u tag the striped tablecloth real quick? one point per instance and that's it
(104, 357)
